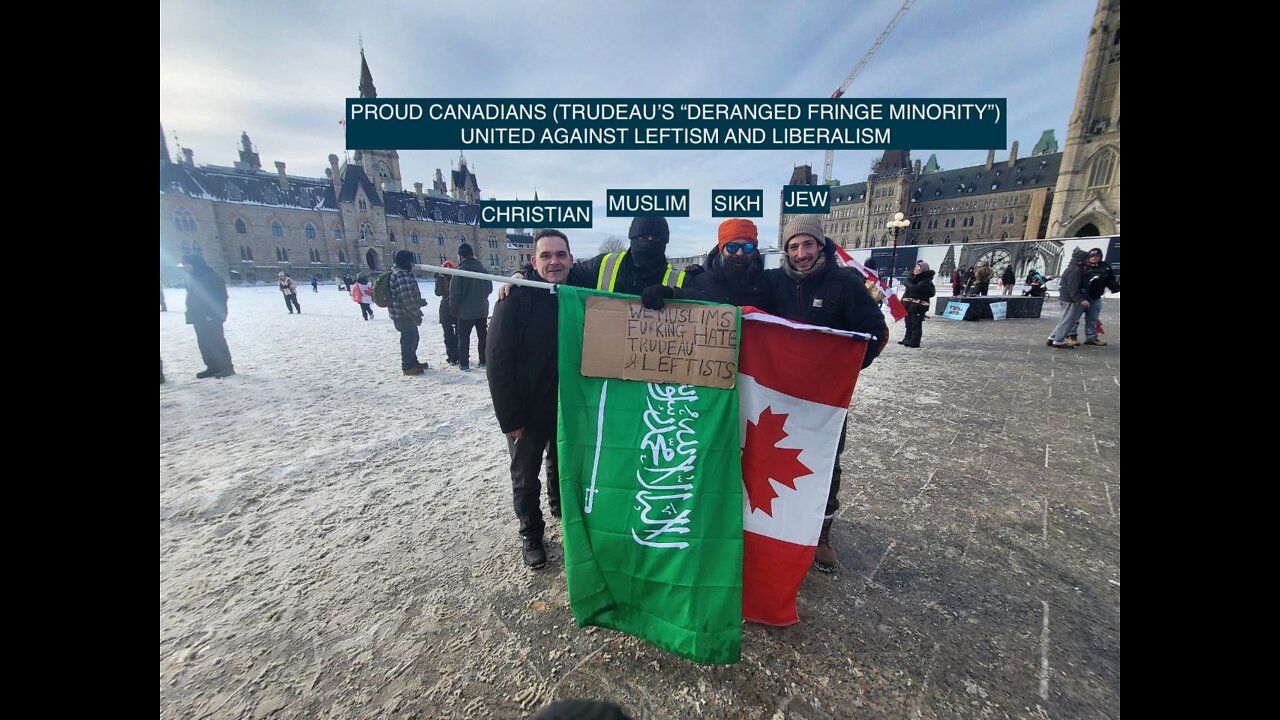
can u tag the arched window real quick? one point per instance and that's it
(337, 233)
(366, 231)
(311, 231)
(342, 256)
(413, 237)
(1101, 169)
(240, 227)
(182, 218)
(277, 230)
(440, 240)
(391, 236)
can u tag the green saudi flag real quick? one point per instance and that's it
(651, 492)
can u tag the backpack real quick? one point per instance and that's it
(382, 290)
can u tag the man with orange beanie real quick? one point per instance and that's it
(732, 271)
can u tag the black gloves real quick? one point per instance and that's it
(653, 296)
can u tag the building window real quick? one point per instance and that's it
(362, 205)
(1101, 169)
(234, 193)
(184, 221)
(279, 257)
(277, 230)
(243, 256)
(366, 231)
(413, 237)
(442, 258)
(270, 195)
(337, 233)
(342, 256)
(240, 227)
(440, 241)
(391, 236)
(311, 231)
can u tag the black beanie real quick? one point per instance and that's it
(655, 226)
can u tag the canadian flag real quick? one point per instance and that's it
(794, 386)
(893, 308)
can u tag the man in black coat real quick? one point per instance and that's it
(206, 312)
(733, 272)
(813, 287)
(916, 298)
(523, 381)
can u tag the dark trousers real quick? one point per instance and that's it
(366, 311)
(464, 338)
(450, 339)
(915, 325)
(291, 302)
(526, 489)
(833, 497)
(408, 343)
(213, 346)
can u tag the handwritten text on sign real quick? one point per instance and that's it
(682, 343)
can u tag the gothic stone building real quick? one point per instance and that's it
(1050, 194)
(250, 224)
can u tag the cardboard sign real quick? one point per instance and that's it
(999, 310)
(955, 310)
(682, 343)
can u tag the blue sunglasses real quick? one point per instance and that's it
(733, 247)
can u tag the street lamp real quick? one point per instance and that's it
(897, 225)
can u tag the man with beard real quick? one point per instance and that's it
(523, 381)
(732, 272)
(813, 287)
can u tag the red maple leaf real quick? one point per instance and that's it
(763, 461)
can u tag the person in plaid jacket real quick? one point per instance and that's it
(406, 311)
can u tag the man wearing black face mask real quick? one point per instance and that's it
(642, 265)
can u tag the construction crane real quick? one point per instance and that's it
(831, 153)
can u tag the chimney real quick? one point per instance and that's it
(1013, 154)
(991, 159)
(915, 168)
(417, 190)
(334, 174)
(284, 181)
(189, 158)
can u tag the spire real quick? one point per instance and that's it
(249, 159)
(367, 90)
(164, 147)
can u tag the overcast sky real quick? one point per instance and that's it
(282, 70)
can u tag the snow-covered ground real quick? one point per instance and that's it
(338, 540)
